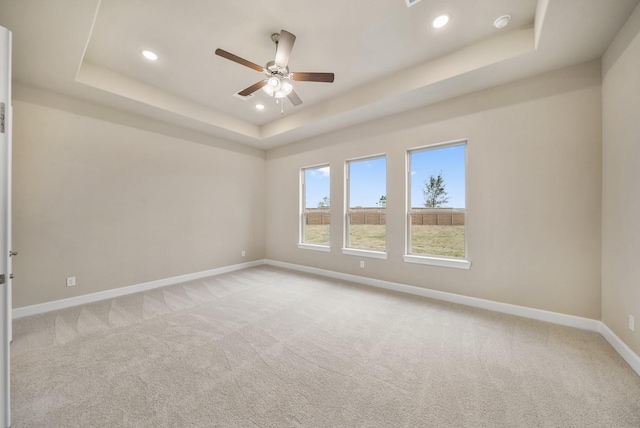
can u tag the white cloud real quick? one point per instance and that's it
(321, 172)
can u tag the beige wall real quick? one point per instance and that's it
(621, 183)
(534, 154)
(115, 206)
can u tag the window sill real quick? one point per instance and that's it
(365, 253)
(438, 261)
(315, 247)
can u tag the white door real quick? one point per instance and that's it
(5, 223)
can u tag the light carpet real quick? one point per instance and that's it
(268, 347)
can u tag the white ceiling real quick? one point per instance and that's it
(386, 56)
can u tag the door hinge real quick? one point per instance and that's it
(2, 116)
(2, 279)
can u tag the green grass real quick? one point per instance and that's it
(437, 240)
(426, 239)
(368, 236)
(317, 234)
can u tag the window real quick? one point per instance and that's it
(436, 215)
(366, 207)
(315, 218)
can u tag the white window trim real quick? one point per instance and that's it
(426, 259)
(347, 197)
(365, 253)
(437, 261)
(302, 216)
(315, 247)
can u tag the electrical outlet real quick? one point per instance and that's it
(71, 281)
(362, 263)
(244, 253)
(632, 323)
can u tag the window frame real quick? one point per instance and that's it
(302, 216)
(346, 249)
(433, 259)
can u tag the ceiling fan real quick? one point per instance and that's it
(278, 83)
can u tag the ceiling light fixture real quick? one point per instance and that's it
(279, 81)
(278, 87)
(440, 21)
(152, 56)
(502, 21)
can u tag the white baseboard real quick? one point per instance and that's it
(122, 291)
(621, 348)
(538, 314)
(506, 308)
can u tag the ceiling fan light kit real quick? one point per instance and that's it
(277, 87)
(278, 83)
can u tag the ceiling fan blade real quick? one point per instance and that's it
(313, 77)
(294, 98)
(285, 45)
(239, 60)
(251, 89)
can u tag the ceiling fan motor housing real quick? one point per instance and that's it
(274, 69)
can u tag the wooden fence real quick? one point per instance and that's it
(433, 217)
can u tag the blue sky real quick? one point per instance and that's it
(449, 160)
(368, 182)
(368, 178)
(316, 185)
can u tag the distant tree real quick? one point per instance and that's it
(382, 202)
(324, 203)
(434, 191)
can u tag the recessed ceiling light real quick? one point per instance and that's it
(150, 55)
(440, 21)
(260, 106)
(502, 21)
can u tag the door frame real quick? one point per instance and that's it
(5, 226)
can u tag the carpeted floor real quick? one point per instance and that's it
(267, 347)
